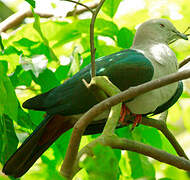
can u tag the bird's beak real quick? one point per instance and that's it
(181, 35)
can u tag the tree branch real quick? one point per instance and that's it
(135, 146)
(131, 145)
(132, 92)
(17, 19)
(162, 126)
(160, 155)
(92, 48)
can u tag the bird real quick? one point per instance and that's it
(149, 58)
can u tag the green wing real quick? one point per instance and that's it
(125, 69)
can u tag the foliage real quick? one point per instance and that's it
(42, 55)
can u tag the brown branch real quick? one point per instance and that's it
(184, 62)
(160, 155)
(18, 17)
(131, 145)
(84, 121)
(81, 11)
(92, 48)
(162, 126)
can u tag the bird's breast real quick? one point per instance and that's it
(164, 62)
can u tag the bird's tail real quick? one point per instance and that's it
(34, 146)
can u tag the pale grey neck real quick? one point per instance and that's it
(138, 43)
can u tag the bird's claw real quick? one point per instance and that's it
(125, 111)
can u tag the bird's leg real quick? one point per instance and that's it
(122, 114)
(125, 111)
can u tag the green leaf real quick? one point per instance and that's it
(36, 117)
(149, 136)
(3, 95)
(75, 62)
(25, 42)
(61, 72)
(98, 170)
(8, 99)
(21, 77)
(106, 28)
(1, 45)
(37, 27)
(125, 38)
(46, 80)
(102, 27)
(11, 55)
(8, 138)
(140, 166)
(166, 146)
(32, 3)
(11, 50)
(104, 50)
(110, 7)
(5, 66)
(174, 173)
(61, 144)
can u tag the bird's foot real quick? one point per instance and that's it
(124, 112)
(137, 120)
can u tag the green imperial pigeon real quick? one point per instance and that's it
(149, 58)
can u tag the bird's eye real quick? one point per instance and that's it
(162, 25)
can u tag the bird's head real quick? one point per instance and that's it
(159, 31)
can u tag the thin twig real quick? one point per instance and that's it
(92, 48)
(184, 62)
(81, 4)
(80, 11)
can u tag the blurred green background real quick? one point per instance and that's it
(41, 53)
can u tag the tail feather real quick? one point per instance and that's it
(35, 145)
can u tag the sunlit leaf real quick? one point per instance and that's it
(31, 2)
(25, 42)
(75, 62)
(110, 7)
(37, 27)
